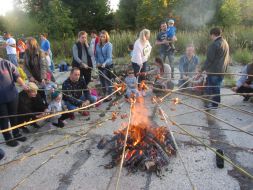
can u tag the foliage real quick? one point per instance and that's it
(90, 14)
(243, 56)
(230, 13)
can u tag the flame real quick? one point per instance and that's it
(143, 86)
(176, 101)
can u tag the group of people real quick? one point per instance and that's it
(41, 96)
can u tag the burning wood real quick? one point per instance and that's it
(148, 148)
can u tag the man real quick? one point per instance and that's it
(45, 46)
(82, 56)
(76, 94)
(187, 65)
(165, 49)
(216, 63)
(10, 46)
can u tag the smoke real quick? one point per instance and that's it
(197, 13)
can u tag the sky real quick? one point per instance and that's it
(7, 5)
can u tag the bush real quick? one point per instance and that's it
(243, 56)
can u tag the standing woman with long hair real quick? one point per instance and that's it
(35, 65)
(103, 58)
(141, 53)
(82, 56)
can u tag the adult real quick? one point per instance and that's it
(187, 65)
(45, 46)
(9, 101)
(163, 74)
(217, 60)
(93, 43)
(165, 49)
(10, 46)
(30, 102)
(245, 83)
(141, 53)
(104, 64)
(82, 56)
(35, 65)
(77, 93)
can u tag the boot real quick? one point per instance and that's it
(1, 154)
(12, 143)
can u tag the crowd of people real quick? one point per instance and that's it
(41, 95)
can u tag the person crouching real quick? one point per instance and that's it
(132, 85)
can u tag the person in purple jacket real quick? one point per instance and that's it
(9, 101)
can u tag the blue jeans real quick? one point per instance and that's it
(136, 69)
(13, 58)
(70, 106)
(105, 80)
(215, 83)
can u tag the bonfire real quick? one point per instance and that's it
(148, 147)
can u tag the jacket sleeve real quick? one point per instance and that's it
(75, 55)
(108, 60)
(210, 57)
(68, 96)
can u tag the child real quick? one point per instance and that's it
(198, 81)
(132, 86)
(171, 34)
(49, 87)
(21, 70)
(57, 105)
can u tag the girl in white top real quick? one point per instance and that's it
(141, 53)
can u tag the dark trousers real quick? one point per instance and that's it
(64, 116)
(136, 69)
(213, 87)
(6, 109)
(85, 74)
(243, 89)
(105, 80)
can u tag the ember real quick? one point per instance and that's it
(148, 148)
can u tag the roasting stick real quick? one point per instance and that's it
(124, 148)
(239, 168)
(175, 143)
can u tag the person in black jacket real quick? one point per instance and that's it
(76, 93)
(82, 56)
(216, 63)
(29, 103)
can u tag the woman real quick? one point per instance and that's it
(187, 65)
(163, 75)
(141, 53)
(9, 101)
(245, 83)
(30, 102)
(35, 65)
(82, 56)
(103, 58)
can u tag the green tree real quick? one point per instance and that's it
(126, 14)
(151, 12)
(90, 14)
(230, 13)
(53, 15)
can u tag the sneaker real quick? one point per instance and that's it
(35, 125)
(12, 143)
(19, 137)
(85, 113)
(108, 99)
(210, 106)
(1, 154)
(72, 116)
(246, 98)
(25, 130)
(60, 123)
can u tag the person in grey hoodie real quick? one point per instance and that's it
(217, 60)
